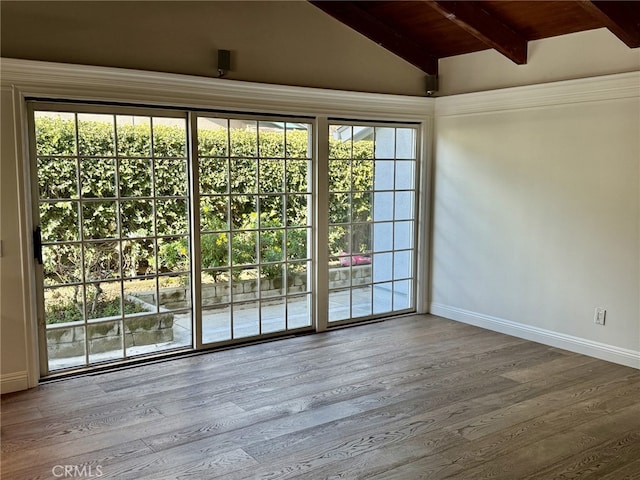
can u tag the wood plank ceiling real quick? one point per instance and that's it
(422, 32)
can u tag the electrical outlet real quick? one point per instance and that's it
(599, 316)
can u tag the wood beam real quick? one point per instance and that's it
(383, 34)
(474, 19)
(622, 18)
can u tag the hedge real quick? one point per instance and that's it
(227, 163)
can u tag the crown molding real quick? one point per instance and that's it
(593, 89)
(91, 83)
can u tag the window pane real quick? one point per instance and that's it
(339, 177)
(339, 240)
(361, 301)
(175, 292)
(362, 175)
(63, 305)
(141, 291)
(59, 221)
(173, 254)
(382, 236)
(402, 294)
(298, 140)
(382, 298)
(136, 218)
(216, 287)
(57, 178)
(339, 305)
(273, 315)
(272, 280)
(138, 257)
(244, 247)
(406, 143)
(403, 235)
(103, 300)
(298, 209)
(216, 324)
(96, 134)
(214, 176)
(404, 206)
(384, 175)
(172, 217)
(214, 213)
(383, 206)
(246, 320)
(385, 142)
(98, 177)
(339, 208)
(213, 137)
(271, 245)
(244, 212)
(298, 277)
(214, 250)
(169, 137)
(297, 175)
(382, 267)
(299, 311)
(271, 139)
(171, 177)
(135, 177)
(134, 136)
(405, 172)
(340, 141)
(101, 261)
(402, 264)
(55, 133)
(99, 220)
(271, 211)
(244, 172)
(298, 243)
(361, 206)
(272, 176)
(244, 138)
(62, 264)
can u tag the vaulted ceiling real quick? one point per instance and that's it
(423, 31)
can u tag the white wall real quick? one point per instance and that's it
(578, 55)
(537, 213)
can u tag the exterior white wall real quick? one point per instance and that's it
(537, 213)
(578, 55)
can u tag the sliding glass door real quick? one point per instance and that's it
(166, 230)
(111, 194)
(372, 220)
(254, 190)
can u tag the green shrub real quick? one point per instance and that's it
(61, 221)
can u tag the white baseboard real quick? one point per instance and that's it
(14, 382)
(623, 356)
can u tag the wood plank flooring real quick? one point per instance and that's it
(409, 398)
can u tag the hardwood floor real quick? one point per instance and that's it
(409, 398)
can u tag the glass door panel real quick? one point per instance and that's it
(112, 204)
(255, 226)
(372, 171)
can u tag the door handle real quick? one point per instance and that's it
(37, 245)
